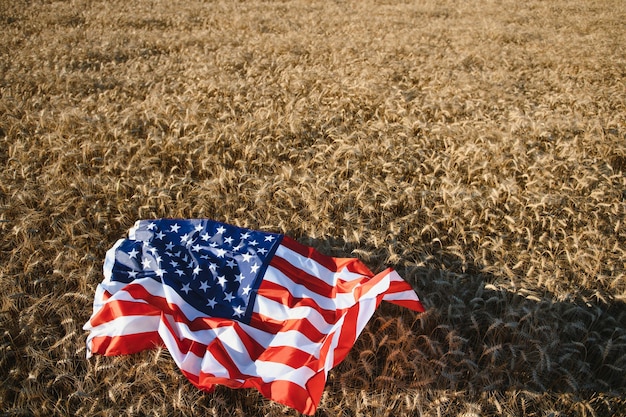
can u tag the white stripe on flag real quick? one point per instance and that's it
(122, 326)
(341, 301)
(280, 312)
(311, 267)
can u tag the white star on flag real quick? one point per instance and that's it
(238, 311)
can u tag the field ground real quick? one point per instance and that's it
(478, 147)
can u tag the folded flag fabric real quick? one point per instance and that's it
(237, 307)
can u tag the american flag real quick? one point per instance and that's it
(237, 307)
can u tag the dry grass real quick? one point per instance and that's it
(478, 147)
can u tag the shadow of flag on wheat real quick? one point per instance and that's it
(237, 307)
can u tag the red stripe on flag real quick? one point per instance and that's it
(398, 286)
(348, 335)
(121, 308)
(126, 344)
(410, 304)
(291, 356)
(275, 326)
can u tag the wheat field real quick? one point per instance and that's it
(477, 147)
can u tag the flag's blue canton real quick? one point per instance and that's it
(215, 267)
